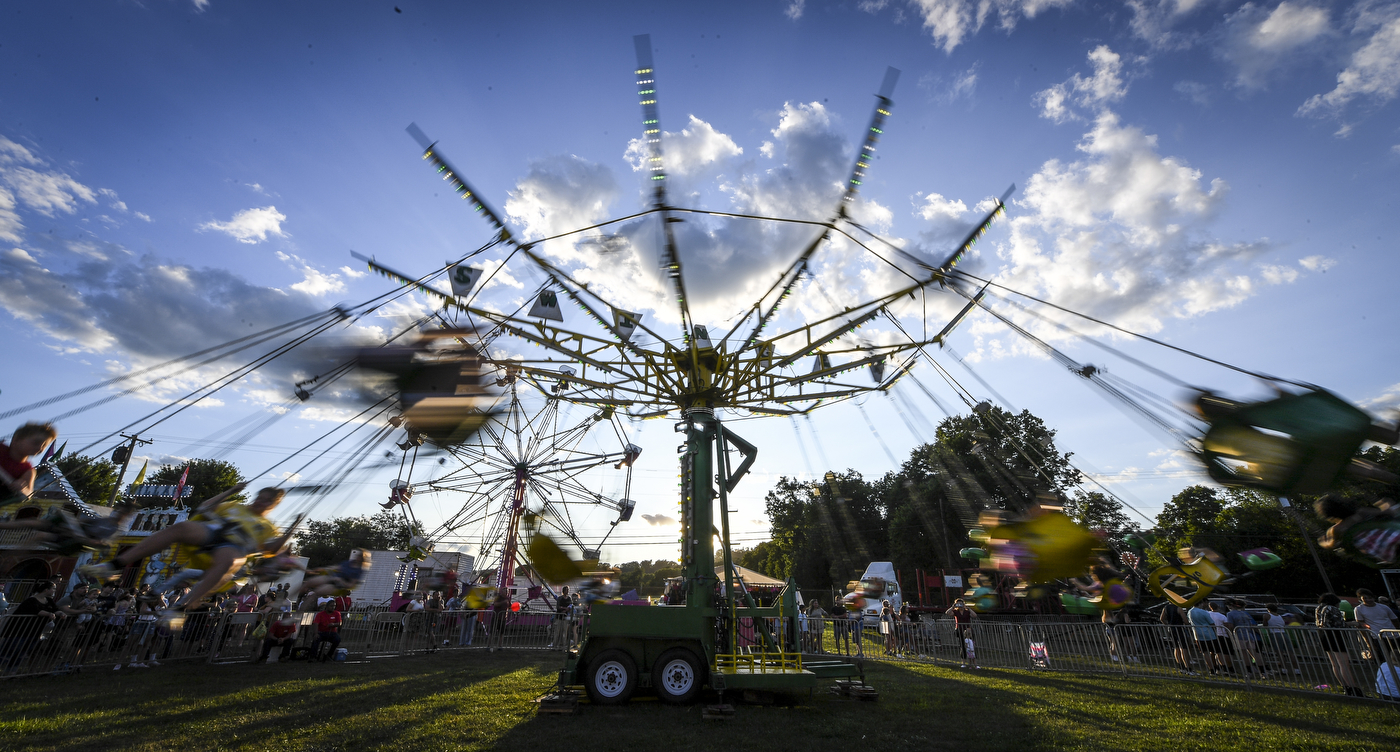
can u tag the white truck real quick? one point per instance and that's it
(877, 585)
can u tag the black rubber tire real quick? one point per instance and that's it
(612, 678)
(677, 677)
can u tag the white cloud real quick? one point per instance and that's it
(1193, 90)
(251, 225)
(353, 273)
(143, 217)
(317, 283)
(659, 520)
(951, 22)
(46, 192)
(10, 224)
(959, 85)
(1388, 399)
(1260, 42)
(33, 186)
(13, 153)
(1396, 149)
(728, 263)
(696, 147)
(314, 282)
(1123, 233)
(201, 5)
(1373, 72)
(559, 194)
(795, 9)
(1104, 86)
(1317, 263)
(1277, 275)
(1155, 21)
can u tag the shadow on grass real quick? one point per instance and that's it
(481, 700)
(915, 711)
(284, 706)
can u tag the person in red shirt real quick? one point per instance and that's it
(15, 471)
(327, 629)
(280, 633)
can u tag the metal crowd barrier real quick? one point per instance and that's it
(1297, 658)
(1342, 661)
(36, 645)
(379, 633)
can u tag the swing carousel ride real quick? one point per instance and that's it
(471, 388)
(1297, 443)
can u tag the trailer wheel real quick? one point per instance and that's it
(676, 676)
(612, 677)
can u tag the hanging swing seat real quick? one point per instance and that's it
(1206, 571)
(1294, 444)
(1260, 559)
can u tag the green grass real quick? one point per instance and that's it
(474, 700)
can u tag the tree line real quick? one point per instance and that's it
(824, 533)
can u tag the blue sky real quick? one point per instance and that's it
(1219, 174)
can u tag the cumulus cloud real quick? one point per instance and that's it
(1372, 73)
(1124, 233)
(1106, 85)
(250, 225)
(559, 194)
(798, 172)
(1259, 42)
(315, 282)
(795, 9)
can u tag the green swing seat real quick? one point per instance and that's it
(1295, 444)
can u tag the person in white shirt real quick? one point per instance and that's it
(1222, 635)
(1375, 617)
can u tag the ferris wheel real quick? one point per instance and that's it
(531, 458)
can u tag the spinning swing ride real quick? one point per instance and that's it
(1301, 442)
(692, 640)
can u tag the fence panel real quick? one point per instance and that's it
(36, 645)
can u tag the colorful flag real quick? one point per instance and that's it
(180, 487)
(141, 476)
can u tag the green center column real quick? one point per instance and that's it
(697, 489)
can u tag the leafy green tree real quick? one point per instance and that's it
(1096, 511)
(208, 477)
(92, 477)
(328, 542)
(1191, 511)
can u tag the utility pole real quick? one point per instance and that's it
(123, 455)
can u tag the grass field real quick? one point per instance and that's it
(482, 701)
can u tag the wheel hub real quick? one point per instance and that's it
(678, 677)
(612, 679)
